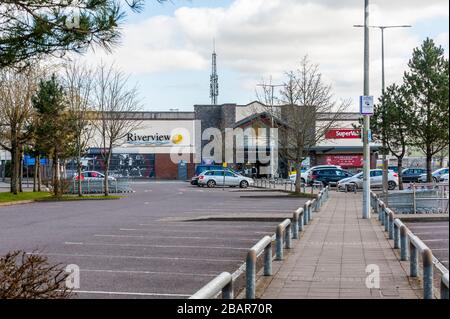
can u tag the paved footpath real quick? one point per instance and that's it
(331, 258)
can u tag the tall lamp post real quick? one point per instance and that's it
(273, 169)
(383, 89)
(366, 145)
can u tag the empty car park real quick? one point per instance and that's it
(165, 241)
(435, 234)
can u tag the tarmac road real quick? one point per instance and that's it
(141, 246)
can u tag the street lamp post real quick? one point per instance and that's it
(366, 174)
(273, 169)
(383, 89)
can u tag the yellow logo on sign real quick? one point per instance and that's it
(177, 139)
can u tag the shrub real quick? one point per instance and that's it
(30, 276)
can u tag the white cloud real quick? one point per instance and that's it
(258, 38)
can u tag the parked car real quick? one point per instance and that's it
(204, 168)
(93, 176)
(327, 176)
(393, 168)
(436, 175)
(376, 180)
(305, 175)
(223, 178)
(444, 178)
(412, 175)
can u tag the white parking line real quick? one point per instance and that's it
(171, 237)
(239, 208)
(148, 294)
(432, 227)
(434, 240)
(196, 231)
(147, 272)
(425, 233)
(136, 257)
(156, 246)
(206, 225)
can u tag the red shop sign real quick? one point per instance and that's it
(343, 134)
(345, 160)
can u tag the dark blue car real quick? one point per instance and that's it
(412, 175)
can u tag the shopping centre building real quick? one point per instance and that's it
(168, 145)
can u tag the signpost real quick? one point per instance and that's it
(366, 105)
(366, 110)
(225, 165)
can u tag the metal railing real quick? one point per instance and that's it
(264, 245)
(411, 248)
(279, 184)
(419, 198)
(286, 231)
(223, 282)
(97, 186)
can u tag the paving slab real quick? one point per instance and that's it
(330, 260)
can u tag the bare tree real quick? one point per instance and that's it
(78, 82)
(16, 90)
(114, 103)
(306, 110)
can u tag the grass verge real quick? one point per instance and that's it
(72, 198)
(10, 198)
(48, 197)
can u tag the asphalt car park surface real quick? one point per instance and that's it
(142, 246)
(435, 235)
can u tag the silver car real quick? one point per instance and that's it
(222, 178)
(436, 175)
(376, 180)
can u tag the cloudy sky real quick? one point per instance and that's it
(167, 48)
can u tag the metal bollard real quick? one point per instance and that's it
(427, 262)
(386, 219)
(396, 236)
(287, 237)
(250, 269)
(413, 260)
(301, 224)
(279, 243)
(444, 286)
(391, 225)
(380, 211)
(295, 225)
(305, 213)
(268, 260)
(227, 291)
(383, 207)
(403, 243)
